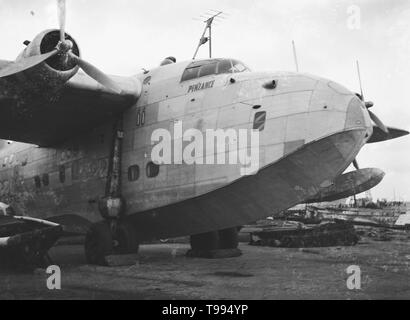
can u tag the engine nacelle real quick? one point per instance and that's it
(54, 72)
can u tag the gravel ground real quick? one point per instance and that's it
(163, 272)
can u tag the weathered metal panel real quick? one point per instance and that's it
(273, 189)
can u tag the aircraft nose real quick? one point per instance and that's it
(340, 108)
(357, 116)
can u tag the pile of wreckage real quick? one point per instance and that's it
(24, 241)
(327, 227)
(288, 234)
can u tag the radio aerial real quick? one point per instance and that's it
(210, 19)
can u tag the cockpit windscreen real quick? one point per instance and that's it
(198, 69)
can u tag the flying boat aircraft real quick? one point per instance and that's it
(83, 144)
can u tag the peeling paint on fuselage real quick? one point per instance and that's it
(70, 178)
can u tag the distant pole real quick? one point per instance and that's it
(295, 56)
(360, 79)
(210, 40)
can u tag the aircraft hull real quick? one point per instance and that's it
(276, 187)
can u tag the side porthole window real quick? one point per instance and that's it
(133, 173)
(143, 117)
(46, 180)
(37, 181)
(138, 118)
(152, 170)
(61, 173)
(259, 121)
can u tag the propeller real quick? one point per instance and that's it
(63, 49)
(26, 63)
(369, 104)
(95, 73)
(61, 18)
(356, 164)
(378, 122)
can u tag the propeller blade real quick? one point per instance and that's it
(96, 74)
(61, 18)
(378, 122)
(356, 164)
(380, 136)
(25, 63)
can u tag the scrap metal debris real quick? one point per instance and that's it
(302, 236)
(331, 226)
(25, 241)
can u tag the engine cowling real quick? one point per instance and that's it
(55, 71)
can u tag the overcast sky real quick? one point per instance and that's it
(123, 36)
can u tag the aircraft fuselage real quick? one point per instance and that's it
(310, 130)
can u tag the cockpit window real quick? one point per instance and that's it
(190, 73)
(238, 66)
(208, 69)
(225, 66)
(198, 69)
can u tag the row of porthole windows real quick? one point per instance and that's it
(151, 170)
(45, 179)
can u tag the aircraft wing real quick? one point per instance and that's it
(45, 118)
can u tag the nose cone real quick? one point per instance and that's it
(357, 116)
(337, 109)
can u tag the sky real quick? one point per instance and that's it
(123, 36)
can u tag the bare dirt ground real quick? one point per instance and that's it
(163, 272)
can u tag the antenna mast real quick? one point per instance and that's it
(360, 79)
(208, 27)
(295, 56)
